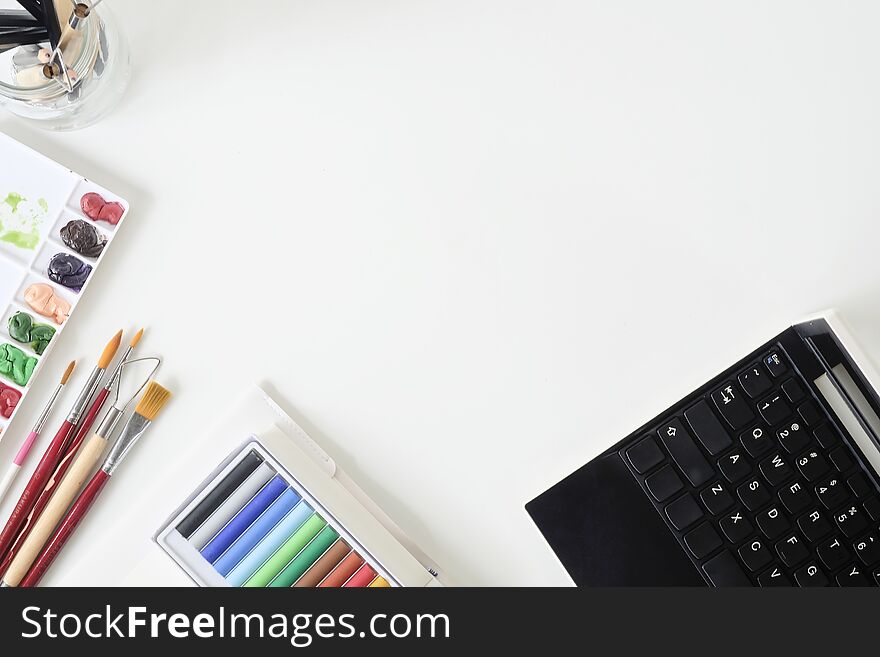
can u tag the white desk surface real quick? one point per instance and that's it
(473, 244)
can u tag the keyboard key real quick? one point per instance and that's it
(716, 498)
(754, 494)
(813, 525)
(736, 526)
(852, 575)
(772, 522)
(775, 362)
(755, 554)
(773, 577)
(793, 437)
(684, 512)
(793, 390)
(812, 465)
(811, 575)
(732, 406)
(756, 442)
(774, 409)
(809, 413)
(734, 466)
(872, 508)
(794, 497)
(644, 455)
(724, 570)
(664, 483)
(841, 459)
(775, 469)
(832, 492)
(867, 549)
(826, 436)
(832, 553)
(702, 541)
(851, 521)
(792, 550)
(685, 453)
(859, 485)
(708, 428)
(754, 381)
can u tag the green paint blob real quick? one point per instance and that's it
(15, 365)
(23, 328)
(43, 205)
(22, 240)
(12, 200)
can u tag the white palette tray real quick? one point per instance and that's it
(38, 198)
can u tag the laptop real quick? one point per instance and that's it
(767, 475)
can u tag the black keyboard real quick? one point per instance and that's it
(759, 486)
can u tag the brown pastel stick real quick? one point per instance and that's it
(328, 561)
(340, 575)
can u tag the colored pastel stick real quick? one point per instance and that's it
(270, 544)
(361, 578)
(341, 574)
(257, 531)
(322, 567)
(244, 519)
(380, 583)
(216, 497)
(305, 559)
(285, 554)
(231, 505)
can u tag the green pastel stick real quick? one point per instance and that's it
(289, 549)
(304, 560)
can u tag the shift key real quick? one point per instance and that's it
(685, 453)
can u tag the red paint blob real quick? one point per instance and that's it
(96, 208)
(9, 398)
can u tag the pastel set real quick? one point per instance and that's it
(254, 526)
(55, 227)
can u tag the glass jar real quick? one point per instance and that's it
(100, 76)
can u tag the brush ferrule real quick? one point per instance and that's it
(78, 15)
(41, 422)
(80, 406)
(108, 425)
(135, 428)
(118, 369)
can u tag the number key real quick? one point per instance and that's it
(832, 492)
(812, 465)
(851, 521)
(774, 409)
(793, 437)
(868, 549)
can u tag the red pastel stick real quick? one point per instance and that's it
(361, 578)
(70, 522)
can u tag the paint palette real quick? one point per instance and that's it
(55, 227)
(254, 525)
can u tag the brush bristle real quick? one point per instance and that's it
(153, 401)
(68, 372)
(137, 338)
(110, 351)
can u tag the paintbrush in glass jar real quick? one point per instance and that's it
(148, 409)
(27, 445)
(33, 539)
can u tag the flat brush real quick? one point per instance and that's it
(148, 409)
(54, 452)
(83, 466)
(70, 449)
(28, 443)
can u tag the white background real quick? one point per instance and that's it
(471, 243)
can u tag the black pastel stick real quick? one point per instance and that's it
(23, 38)
(216, 497)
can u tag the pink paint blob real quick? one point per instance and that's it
(95, 207)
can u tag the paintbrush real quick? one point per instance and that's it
(69, 452)
(51, 22)
(83, 466)
(33, 8)
(54, 452)
(148, 409)
(17, 18)
(23, 37)
(26, 446)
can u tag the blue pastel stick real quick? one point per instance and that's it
(270, 543)
(256, 532)
(244, 518)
